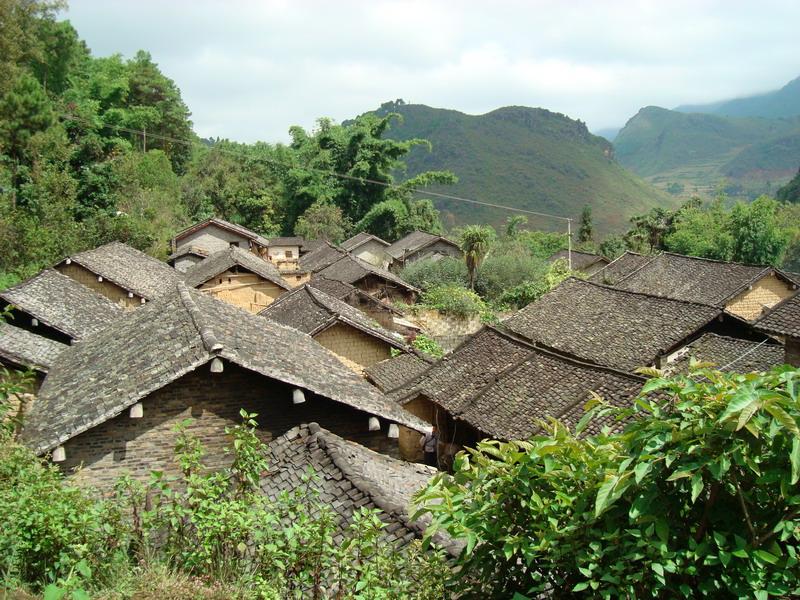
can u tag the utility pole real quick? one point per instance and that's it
(569, 243)
(144, 138)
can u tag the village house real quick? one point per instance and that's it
(499, 385)
(784, 320)
(284, 252)
(742, 290)
(348, 333)
(619, 268)
(110, 404)
(618, 328)
(324, 255)
(21, 350)
(57, 307)
(185, 258)
(238, 277)
(213, 235)
(369, 248)
(727, 354)
(419, 245)
(122, 274)
(583, 262)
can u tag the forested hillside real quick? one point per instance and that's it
(529, 158)
(784, 102)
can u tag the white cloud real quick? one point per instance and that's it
(249, 70)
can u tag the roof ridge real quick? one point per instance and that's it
(207, 335)
(614, 288)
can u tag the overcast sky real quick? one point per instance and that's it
(249, 70)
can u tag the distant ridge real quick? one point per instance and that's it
(784, 102)
(529, 158)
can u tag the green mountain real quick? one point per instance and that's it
(529, 158)
(697, 152)
(784, 102)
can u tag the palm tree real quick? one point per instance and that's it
(475, 241)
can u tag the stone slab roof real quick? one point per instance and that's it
(783, 318)
(580, 260)
(62, 303)
(27, 349)
(393, 372)
(414, 242)
(223, 224)
(351, 269)
(349, 477)
(337, 289)
(230, 258)
(609, 326)
(129, 268)
(702, 280)
(312, 311)
(157, 344)
(323, 256)
(729, 354)
(546, 385)
(292, 240)
(188, 251)
(619, 268)
(360, 239)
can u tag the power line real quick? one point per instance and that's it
(394, 186)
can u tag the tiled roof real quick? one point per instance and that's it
(609, 326)
(319, 258)
(130, 269)
(311, 311)
(351, 269)
(27, 349)
(149, 348)
(221, 261)
(360, 239)
(238, 229)
(783, 318)
(62, 303)
(580, 260)
(729, 354)
(501, 385)
(619, 268)
(694, 279)
(292, 240)
(393, 372)
(348, 477)
(337, 289)
(188, 251)
(414, 242)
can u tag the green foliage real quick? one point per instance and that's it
(426, 274)
(543, 244)
(475, 241)
(702, 231)
(586, 229)
(454, 300)
(529, 291)
(613, 246)
(513, 225)
(428, 346)
(695, 498)
(392, 219)
(507, 266)
(791, 191)
(756, 236)
(322, 221)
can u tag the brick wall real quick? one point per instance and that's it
(447, 330)
(793, 351)
(765, 293)
(110, 290)
(353, 347)
(245, 290)
(212, 401)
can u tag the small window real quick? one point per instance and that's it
(297, 277)
(288, 254)
(236, 244)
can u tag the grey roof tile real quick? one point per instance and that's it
(238, 229)
(62, 303)
(27, 349)
(351, 269)
(609, 326)
(360, 239)
(393, 372)
(619, 268)
(580, 260)
(414, 242)
(222, 261)
(149, 348)
(783, 318)
(729, 354)
(129, 268)
(323, 256)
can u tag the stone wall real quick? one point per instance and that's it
(353, 347)
(245, 290)
(447, 330)
(127, 300)
(765, 293)
(213, 239)
(212, 402)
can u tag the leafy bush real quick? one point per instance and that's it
(696, 498)
(453, 300)
(507, 266)
(526, 292)
(428, 345)
(426, 274)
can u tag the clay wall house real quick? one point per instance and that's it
(185, 258)
(783, 320)
(348, 333)
(419, 245)
(57, 307)
(618, 328)
(378, 283)
(238, 277)
(369, 248)
(110, 404)
(727, 354)
(284, 252)
(122, 274)
(499, 385)
(584, 262)
(213, 235)
(742, 290)
(619, 268)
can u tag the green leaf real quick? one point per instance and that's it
(679, 475)
(656, 383)
(766, 556)
(579, 587)
(794, 457)
(641, 470)
(697, 485)
(53, 592)
(782, 417)
(740, 400)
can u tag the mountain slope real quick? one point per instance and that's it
(784, 102)
(529, 158)
(700, 150)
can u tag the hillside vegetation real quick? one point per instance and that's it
(784, 102)
(528, 158)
